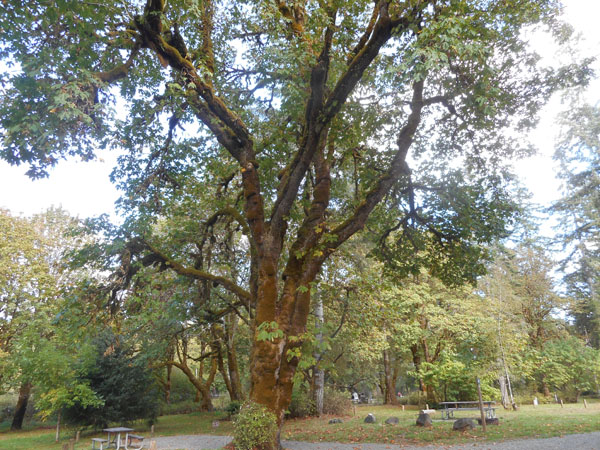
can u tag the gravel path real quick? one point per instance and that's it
(587, 441)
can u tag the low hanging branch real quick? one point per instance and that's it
(226, 283)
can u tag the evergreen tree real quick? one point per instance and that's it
(579, 156)
(125, 384)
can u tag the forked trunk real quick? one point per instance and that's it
(274, 360)
(202, 387)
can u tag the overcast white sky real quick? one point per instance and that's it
(84, 189)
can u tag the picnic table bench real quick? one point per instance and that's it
(450, 407)
(99, 441)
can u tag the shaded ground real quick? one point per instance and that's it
(587, 441)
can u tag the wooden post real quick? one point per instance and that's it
(402, 407)
(426, 405)
(77, 435)
(152, 431)
(71, 444)
(561, 403)
(584, 403)
(483, 424)
(152, 445)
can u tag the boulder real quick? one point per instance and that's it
(336, 421)
(424, 420)
(493, 421)
(370, 419)
(463, 424)
(392, 421)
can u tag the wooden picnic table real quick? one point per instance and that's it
(450, 407)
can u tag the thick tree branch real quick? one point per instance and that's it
(191, 272)
(120, 71)
(405, 138)
(313, 140)
(348, 81)
(295, 15)
(207, 43)
(228, 126)
(367, 34)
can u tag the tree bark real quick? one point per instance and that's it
(202, 387)
(232, 361)
(319, 377)
(168, 384)
(545, 388)
(389, 384)
(21, 408)
(57, 435)
(503, 391)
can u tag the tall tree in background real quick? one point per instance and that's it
(26, 289)
(292, 121)
(521, 290)
(578, 153)
(34, 281)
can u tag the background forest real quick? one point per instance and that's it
(528, 328)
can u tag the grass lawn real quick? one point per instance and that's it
(543, 421)
(43, 438)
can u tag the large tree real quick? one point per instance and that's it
(26, 289)
(291, 120)
(578, 152)
(35, 285)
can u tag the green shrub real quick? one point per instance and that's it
(184, 407)
(233, 408)
(302, 404)
(336, 402)
(412, 398)
(253, 427)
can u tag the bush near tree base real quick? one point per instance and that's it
(233, 408)
(254, 427)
